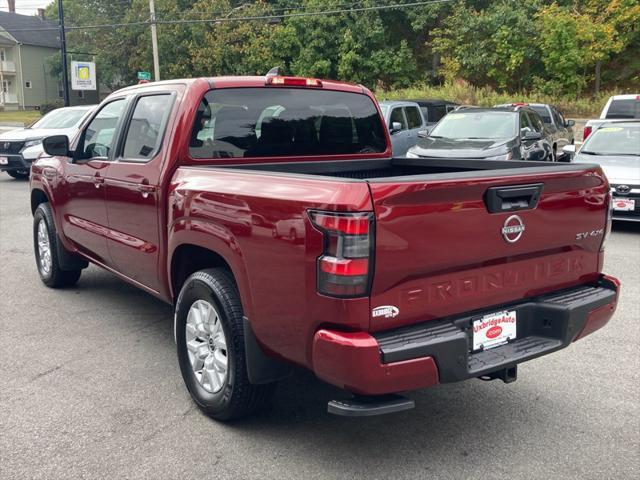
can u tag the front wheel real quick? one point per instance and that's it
(45, 244)
(211, 350)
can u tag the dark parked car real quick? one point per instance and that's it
(489, 133)
(434, 110)
(561, 129)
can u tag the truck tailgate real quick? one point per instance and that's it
(439, 251)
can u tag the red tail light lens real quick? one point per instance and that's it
(586, 132)
(345, 266)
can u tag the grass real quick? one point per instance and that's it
(584, 107)
(19, 116)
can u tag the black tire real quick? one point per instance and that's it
(55, 277)
(18, 174)
(238, 397)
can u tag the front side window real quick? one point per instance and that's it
(413, 117)
(146, 127)
(536, 121)
(525, 126)
(280, 121)
(397, 117)
(98, 138)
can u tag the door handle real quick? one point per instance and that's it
(512, 198)
(146, 189)
(98, 180)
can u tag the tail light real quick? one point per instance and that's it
(345, 267)
(586, 132)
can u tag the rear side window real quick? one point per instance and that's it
(276, 121)
(413, 117)
(397, 116)
(146, 127)
(624, 109)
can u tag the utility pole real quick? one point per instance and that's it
(154, 41)
(63, 52)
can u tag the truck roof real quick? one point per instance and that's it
(251, 81)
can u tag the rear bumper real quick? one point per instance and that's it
(438, 351)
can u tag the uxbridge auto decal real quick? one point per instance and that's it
(386, 311)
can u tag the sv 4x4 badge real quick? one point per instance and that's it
(592, 233)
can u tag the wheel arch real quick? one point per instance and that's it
(189, 257)
(38, 196)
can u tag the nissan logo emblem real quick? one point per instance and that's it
(623, 189)
(512, 229)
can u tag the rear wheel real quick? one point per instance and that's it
(211, 352)
(18, 174)
(45, 243)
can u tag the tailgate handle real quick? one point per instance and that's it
(513, 198)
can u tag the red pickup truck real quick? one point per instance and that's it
(269, 212)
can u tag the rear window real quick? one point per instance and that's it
(269, 122)
(629, 108)
(436, 113)
(544, 113)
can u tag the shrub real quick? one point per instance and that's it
(466, 94)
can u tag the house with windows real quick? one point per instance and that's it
(25, 49)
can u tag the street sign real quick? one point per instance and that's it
(83, 76)
(144, 75)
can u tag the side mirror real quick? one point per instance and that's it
(395, 127)
(570, 123)
(569, 150)
(531, 135)
(423, 133)
(56, 146)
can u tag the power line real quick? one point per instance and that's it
(397, 6)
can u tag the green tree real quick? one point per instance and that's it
(494, 46)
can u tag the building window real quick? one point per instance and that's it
(27, 84)
(5, 86)
(2, 55)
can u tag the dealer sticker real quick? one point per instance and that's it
(624, 204)
(494, 330)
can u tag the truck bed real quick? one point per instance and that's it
(409, 168)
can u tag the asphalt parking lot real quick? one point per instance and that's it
(90, 388)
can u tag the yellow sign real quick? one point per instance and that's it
(83, 73)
